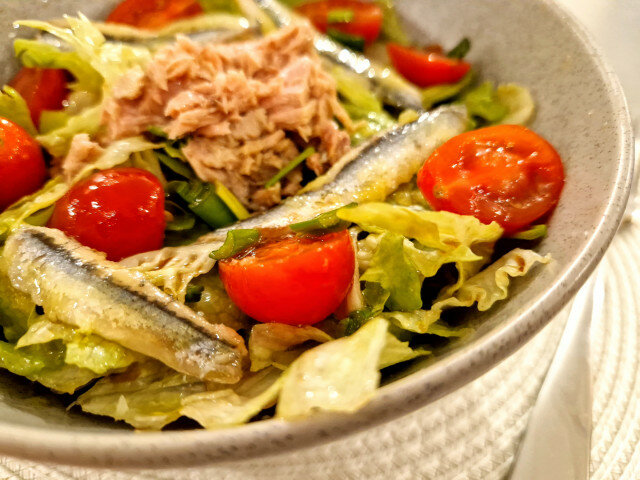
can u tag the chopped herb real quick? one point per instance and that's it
(236, 242)
(533, 233)
(176, 165)
(460, 50)
(231, 201)
(203, 201)
(290, 166)
(340, 15)
(325, 222)
(194, 293)
(354, 42)
(182, 220)
(157, 131)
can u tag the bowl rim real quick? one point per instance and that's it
(177, 448)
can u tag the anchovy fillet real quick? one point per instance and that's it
(76, 286)
(393, 89)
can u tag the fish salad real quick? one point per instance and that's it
(243, 209)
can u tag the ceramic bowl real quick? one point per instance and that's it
(580, 109)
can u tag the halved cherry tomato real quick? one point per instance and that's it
(426, 69)
(153, 14)
(118, 211)
(366, 21)
(298, 280)
(42, 89)
(22, 168)
(505, 173)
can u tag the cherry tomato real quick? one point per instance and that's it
(22, 167)
(366, 21)
(505, 173)
(118, 211)
(426, 69)
(153, 14)
(296, 280)
(42, 89)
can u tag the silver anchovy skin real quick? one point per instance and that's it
(76, 286)
(367, 174)
(394, 90)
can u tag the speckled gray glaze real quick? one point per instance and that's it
(581, 110)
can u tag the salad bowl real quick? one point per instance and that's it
(580, 109)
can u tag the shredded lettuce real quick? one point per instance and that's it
(440, 93)
(396, 351)
(150, 396)
(61, 128)
(482, 102)
(341, 375)
(518, 101)
(215, 304)
(14, 108)
(484, 289)
(110, 60)
(272, 344)
(33, 53)
(82, 350)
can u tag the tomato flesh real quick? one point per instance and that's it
(505, 173)
(22, 167)
(153, 14)
(297, 280)
(366, 21)
(425, 69)
(42, 89)
(118, 211)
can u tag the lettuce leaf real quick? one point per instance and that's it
(15, 308)
(518, 101)
(395, 273)
(44, 364)
(150, 396)
(110, 60)
(439, 230)
(484, 289)
(234, 406)
(83, 350)
(57, 140)
(341, 375)
(215, 304)
(33, 53)
(14, 108)
(440, 93)
(396, 351)
(272, 344)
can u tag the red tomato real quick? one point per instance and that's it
(366, 22)
(119, 212)
(42, 89)
(426, 69)
(297, 280)
(22, 167)
(153, 14)
(505, 173)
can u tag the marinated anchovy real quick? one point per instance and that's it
(369, 173)
(393, 89)
(76, 286)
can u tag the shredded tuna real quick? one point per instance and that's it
(247, 110)
(82, 152)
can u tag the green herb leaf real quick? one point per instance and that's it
(460, 50)
(354, 42)
(533, 233)
(440, 93)
(182, 220)
(325, 222)
(482, 102)
(194, 293)
(236, 241)
(203, 201)
(340, 15)
(306, 153)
